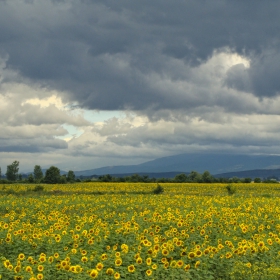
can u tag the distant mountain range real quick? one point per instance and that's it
(257, 173)
(214, 163)
(220, 165)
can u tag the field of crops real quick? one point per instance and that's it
(124, 231)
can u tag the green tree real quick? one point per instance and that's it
(247, 180)
(194, 177)
(0, 173)
(30, 178)
(38, 173)
(207, 177)
(135, 178)
(70, 176)
(52, 175)
(257, 180)
(105, 178)
(181, 178)
(63, 179)
(234, 180)
(12, 171)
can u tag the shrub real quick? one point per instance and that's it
(257, 180)
(158, 190)
(10, 191)
(231, 189)
(38, 188)
(247, 180)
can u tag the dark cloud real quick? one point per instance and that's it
(261, 78)
(188, 75)
(35, 145)
(106, 53)
(238, 78)
(264, 74)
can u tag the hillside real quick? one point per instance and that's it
(214, 163)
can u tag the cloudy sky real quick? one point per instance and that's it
(88, 83)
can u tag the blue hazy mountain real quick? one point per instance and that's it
(214, 163)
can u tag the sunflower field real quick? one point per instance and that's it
(126, 231)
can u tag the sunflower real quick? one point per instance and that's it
(40, 268)
(64, 263)
(99, 266)
(197, 264)
(269, 241)
(78, 269)
(6, 263)
(154, 266)
(228, 255)
(149, 272)
(56, 255)
(93, 274)
(28, 268)
(164, 252)
(179, 263)
(198, 253)
(42, 258)
(118, 262)
(110, 271)
(248, 265)
(191, 255)
(131, 268)
(148, 261)
(21, 256)
(187, 267)
(17, 269)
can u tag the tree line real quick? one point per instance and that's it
(192, 177)
(53, 176)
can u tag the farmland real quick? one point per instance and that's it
(124, 231)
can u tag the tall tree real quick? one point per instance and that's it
(52, 175)
(0, 173)
(70, 176)
(38, 173)
(181, 178)
(194, 176)
(207, 177)
(30, 178)
(12, 171)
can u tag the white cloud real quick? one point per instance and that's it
(46, 102)
(36, 119)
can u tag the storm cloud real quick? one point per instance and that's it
(105, 53)
(187, 74)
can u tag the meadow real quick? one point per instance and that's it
(124, 231)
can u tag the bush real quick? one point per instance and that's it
(247, 180)
(257, 180)
(231, 189)
(52, 175)
(38, 188)
(5, 181)
(10, 191)
(158, 190)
